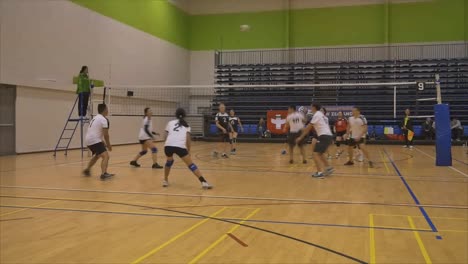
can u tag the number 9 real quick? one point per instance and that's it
(421, 86)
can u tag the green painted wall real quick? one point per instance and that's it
(156, 17)
(433, 21)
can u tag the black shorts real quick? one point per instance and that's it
(323, 142)
(98, 148)
(353, 143)
(143, 141)
(340, 134)
(235, 129)
(170, 151)
(292, 139)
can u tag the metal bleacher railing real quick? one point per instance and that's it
(412, 63)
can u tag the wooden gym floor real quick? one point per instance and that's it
(405, 210)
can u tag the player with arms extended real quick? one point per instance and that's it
(294, 125)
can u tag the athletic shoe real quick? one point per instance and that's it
(291, 161)
(329, 157)
(87, 172)
(157, 166)
(283, 152)
(328, 171)
(206, 186)
(318, 175)
(349, 163)
(106, 176)
(360, 158)
(224, 155)
(304, 162)
(215, 154)
(165, 183)
(233, 152)
(411, 147)
(405, 146)
(135, 164)
(371, 164)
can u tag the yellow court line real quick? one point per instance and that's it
(371, 239)
(214, 244)
(183, 233)
(420, 243)
(383, 161)
(21, 210)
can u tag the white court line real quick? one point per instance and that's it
(451, 167)
(235, 197)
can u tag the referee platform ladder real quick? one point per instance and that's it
(72, 123)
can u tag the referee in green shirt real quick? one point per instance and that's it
(83, 89)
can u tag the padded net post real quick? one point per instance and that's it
(443, 135)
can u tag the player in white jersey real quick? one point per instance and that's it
(178, 141)
(325, 139)
(357, 130)
(99, 128)
(236, 126)
(224, 127)
(294, 125)
(324, 112)
(146, 137)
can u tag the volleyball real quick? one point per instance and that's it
(244, 28)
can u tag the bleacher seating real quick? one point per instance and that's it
(376, 102)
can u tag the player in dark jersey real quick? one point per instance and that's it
(224, 127)
(236, 126)
(340, 127)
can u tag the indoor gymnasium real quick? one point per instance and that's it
(222, 131)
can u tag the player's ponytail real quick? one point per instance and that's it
(180, 114)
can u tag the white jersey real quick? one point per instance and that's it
(176, 134)
(357, 126)
(94, 133)
(143, 135)
(320, 122)
(296, 122)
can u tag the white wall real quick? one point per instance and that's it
(202, 72)
(41, 115)
(51, 39)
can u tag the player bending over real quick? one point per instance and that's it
(235, 124)
(294, 125)
(99, 128)
(357, 130)
(146, 137)
(324, 140)
(178, 142)
(224, 127)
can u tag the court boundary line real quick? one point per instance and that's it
(422, 248)
(415, 198)
(268, 221)
(451, 167)
(236, 197)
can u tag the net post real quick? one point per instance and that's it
(443, 130)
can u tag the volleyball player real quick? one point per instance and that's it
(294, 125)
(324, 112)
(224, 127)
(146, 137)
(341, 125)
(99, 128)
(178, 142)
(325, 139)
(235, 124)
(357, 130)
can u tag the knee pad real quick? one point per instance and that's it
(193, 167)
(169, 163)
(143, 152)
(154, 150)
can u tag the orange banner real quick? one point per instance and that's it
(276, 120)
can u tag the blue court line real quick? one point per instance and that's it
(225, 218)
(416, 200)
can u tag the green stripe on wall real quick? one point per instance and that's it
(156, 17)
